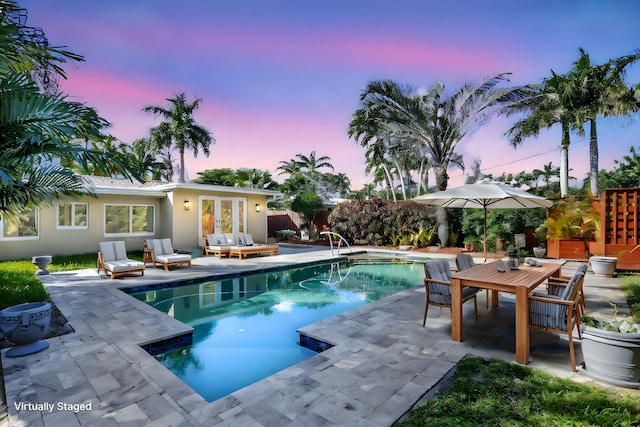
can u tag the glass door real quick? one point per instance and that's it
(222, 215)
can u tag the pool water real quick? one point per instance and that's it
(245, 327)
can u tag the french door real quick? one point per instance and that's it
(219, 215)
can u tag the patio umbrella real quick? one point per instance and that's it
(484, 195)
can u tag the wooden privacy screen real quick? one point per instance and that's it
(619, 225)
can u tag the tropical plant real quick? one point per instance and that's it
(308, 205)
(626, 174)
(305, 177)
(179, 130)
(600, 91)
(573, 218)
(550, 104)
(37, 128)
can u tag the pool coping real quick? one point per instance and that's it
(383, 361)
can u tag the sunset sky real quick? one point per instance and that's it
(279, 78)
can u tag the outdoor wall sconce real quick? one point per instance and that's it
(257, 207)
(186, 205)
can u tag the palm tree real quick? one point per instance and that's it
(600, 91)
(431, 119)
(310, 164)
(37, 128)
(552, 103)
(437, 122)
(179, 130)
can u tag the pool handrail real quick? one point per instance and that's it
(340, 240)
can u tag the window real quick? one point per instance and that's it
(129, 219)
(72, 216)
(26, 229)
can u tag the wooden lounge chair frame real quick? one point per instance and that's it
(114, 261)
(243, 251)
(179, 258)
(217, 250)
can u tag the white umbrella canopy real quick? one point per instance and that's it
(484, 195)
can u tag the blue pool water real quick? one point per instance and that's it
(245, 327)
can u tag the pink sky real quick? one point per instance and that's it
(281, 78)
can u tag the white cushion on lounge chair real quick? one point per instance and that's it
(239, 238)
(113, 251)
(231, 240)
(123, 265)
(172, 258)
(217, 240)
(108, 251)
(248, 239)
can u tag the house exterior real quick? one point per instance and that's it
(134, 212)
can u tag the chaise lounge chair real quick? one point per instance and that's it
(244, 246)
(216, 244)
(162, 253)
(113, 259)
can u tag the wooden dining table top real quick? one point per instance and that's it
(488, 276)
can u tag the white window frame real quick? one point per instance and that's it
(130, 206)
(73, 216)
(36, 237)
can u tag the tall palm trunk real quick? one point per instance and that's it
(389, 182)
(182, 176)
(593, 158)
(564, 161)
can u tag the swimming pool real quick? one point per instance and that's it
(245, 328)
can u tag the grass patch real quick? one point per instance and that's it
(630, 284)
(499, 393)
(19, 285)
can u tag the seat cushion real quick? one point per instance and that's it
(167, 247)
(172, 258)
(217, 240)
(107, 250)
(123, 265)
(248, 239)
(438, 269)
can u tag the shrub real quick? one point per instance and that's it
(379, 222)
(282, 235)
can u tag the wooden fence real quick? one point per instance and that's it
(290, 220)
(620, 215)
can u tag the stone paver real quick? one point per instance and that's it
(383, 361)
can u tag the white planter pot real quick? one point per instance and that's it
(42, 261)
(539, 252)
(612, 357)
(25, 325)
(603, 266)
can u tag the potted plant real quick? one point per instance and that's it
(611, 349)
(541, 236)
(572, 227)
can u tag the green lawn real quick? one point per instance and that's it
(19, 285)
(498, 393)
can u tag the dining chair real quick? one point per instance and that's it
(559, 313)
(465, 262)
(437, 283)
(556, 285)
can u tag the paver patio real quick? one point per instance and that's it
(384, 361)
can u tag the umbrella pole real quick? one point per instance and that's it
(485, 231)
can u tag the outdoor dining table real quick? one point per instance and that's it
(519, 282)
